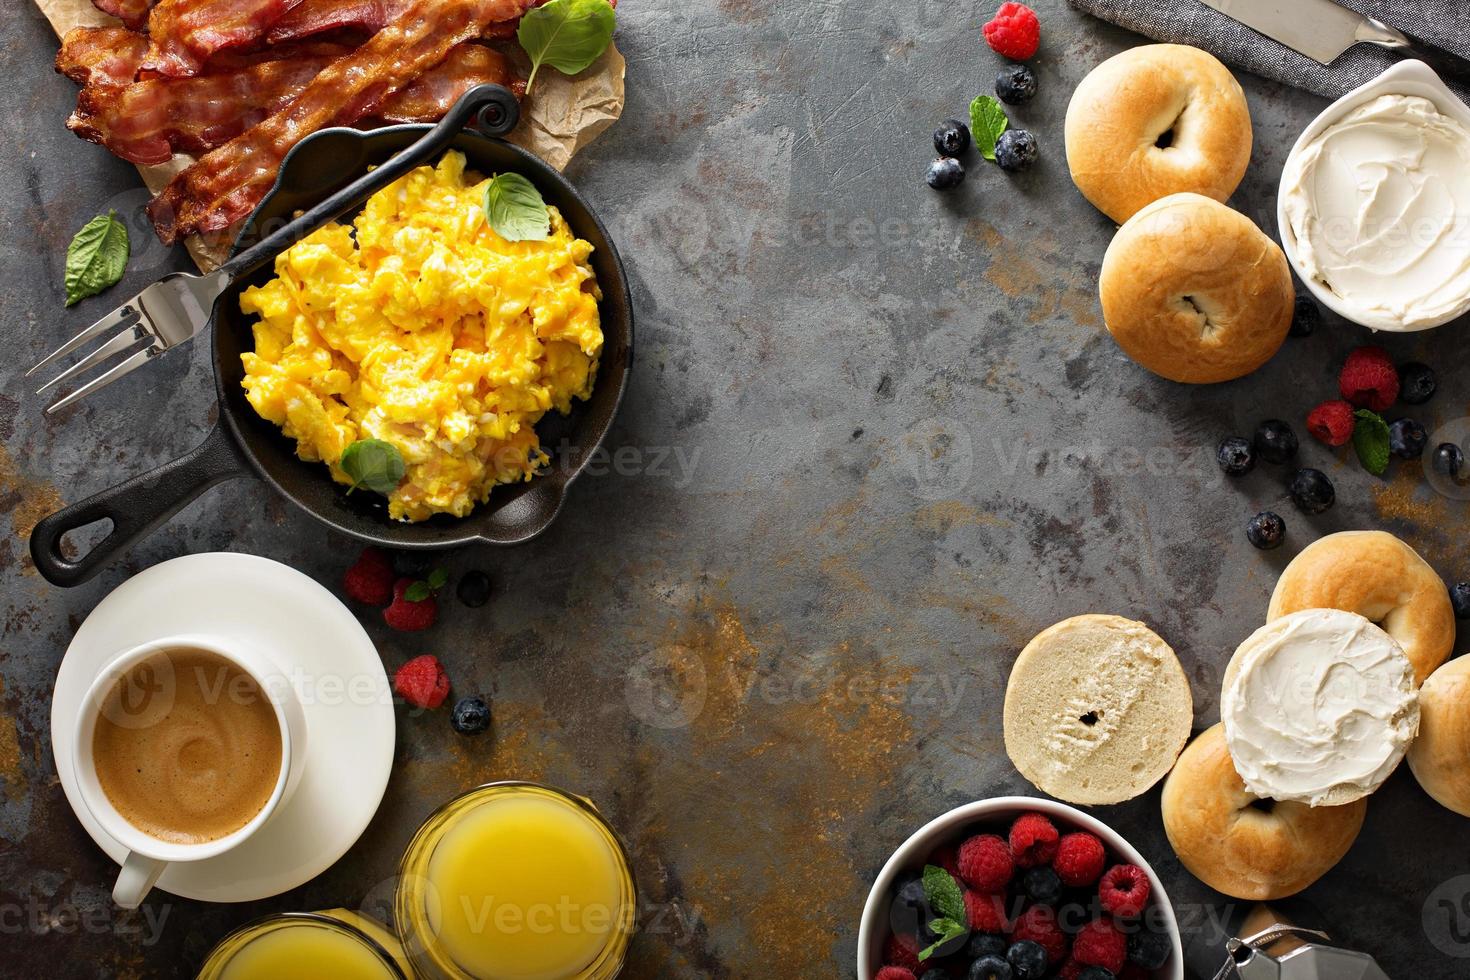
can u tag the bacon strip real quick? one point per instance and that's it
(315, 16)
(184, 34)
(101, 55)
(133, 13)
(225, 184)
(429, 96)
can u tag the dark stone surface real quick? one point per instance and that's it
(893, 441)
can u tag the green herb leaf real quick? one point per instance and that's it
(515, 208)
(568, 35)
(372, 464)
(947, 929)
(944, 893)
(418, 592)
(987, 121)
(96, 257)
(1370, 439)
(438, 578)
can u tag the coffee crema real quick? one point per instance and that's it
(187, 747)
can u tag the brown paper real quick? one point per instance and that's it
(558, 118)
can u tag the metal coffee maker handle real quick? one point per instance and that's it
(1275, 949)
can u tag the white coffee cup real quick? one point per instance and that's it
(148, 856)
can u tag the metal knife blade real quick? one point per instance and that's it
(1319, 29)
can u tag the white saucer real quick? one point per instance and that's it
(317, 642)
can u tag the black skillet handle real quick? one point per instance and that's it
(496, 111)
(135, 508)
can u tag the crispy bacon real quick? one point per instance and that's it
(315, 16)
(226, 183)
(101, 55)
(429, 96)
(133, 13)
(184, 34)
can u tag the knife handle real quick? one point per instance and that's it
(1446, 64)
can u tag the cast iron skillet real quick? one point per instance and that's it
(243, 444)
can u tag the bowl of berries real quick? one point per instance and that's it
(1016, 888)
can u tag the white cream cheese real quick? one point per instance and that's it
(1379, 205)
(1319, 707)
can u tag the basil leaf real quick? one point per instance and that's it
(418, 592)
(515, 208)
(96, 257)
(987, 121)
(568, 35)
(947, 930)
(372, 464)
(944, 893)
(1370, 439)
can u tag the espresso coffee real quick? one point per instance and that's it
(187, 747)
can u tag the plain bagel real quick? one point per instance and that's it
(1240, 845)
(1156, 120)
(1440, 756)
(1195, 292)
(1377, 576)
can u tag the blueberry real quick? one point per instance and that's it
(990, 968)
(1447, 460)
(1016, 150)
(1015, 84)
(983, 944)
(952, 138)
(1406, 438)
(1235, 456)
(1096, 973)
(1460, 599)
(413, 564)
(471, 716)
(1311, 491)
(945, 173)
(1266, 530)
(473, 589)
(1027, 959)
(1305, 318)
(1149, 950)
(935, 974)
(1042, 886)
(1416, 383)
(1275, 441)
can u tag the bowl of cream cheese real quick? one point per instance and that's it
(1374, 205)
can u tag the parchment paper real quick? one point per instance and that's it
(558, 118)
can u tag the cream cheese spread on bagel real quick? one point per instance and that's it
(1319, 707)
(1379, 205)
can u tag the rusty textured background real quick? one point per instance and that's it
(908, 445)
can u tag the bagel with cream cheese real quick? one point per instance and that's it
(1153, 121)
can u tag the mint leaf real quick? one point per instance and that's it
(96, 257)
(987, 121)
(438, 578)
(515, 208)
(1370, 439)
(943, 893)
(568, 35)
(417, 592)
(947, 929)
(372, 464)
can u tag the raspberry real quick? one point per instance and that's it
(1124, 890)
(947, 858)
(901, 951)
(1033, 840)
(370, 579)
(1071, 970)
(1332, 422)
(1099, 943)
(1369, 379)
(894, 973)
(1014, 32)
(986, 913)
(985, 863)
(1039, 924)
(407, 615)
(422, 682)
(1079, 859)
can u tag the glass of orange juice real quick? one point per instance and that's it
(308, 946)
(516, 881)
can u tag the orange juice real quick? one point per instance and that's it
(303, 946)
(516, 882)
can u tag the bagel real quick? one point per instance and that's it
(1440, 756)
(1194, 291)
(1096, 709)
(1153, 121)
(1240, 845)
(1382, 579)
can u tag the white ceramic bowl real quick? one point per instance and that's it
(1000, 811)
(1404, 78)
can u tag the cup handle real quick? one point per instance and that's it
(136, 879)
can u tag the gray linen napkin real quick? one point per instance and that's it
(1445, 23)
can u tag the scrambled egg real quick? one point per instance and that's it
(424, 328)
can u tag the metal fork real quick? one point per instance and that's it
(181, 305)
